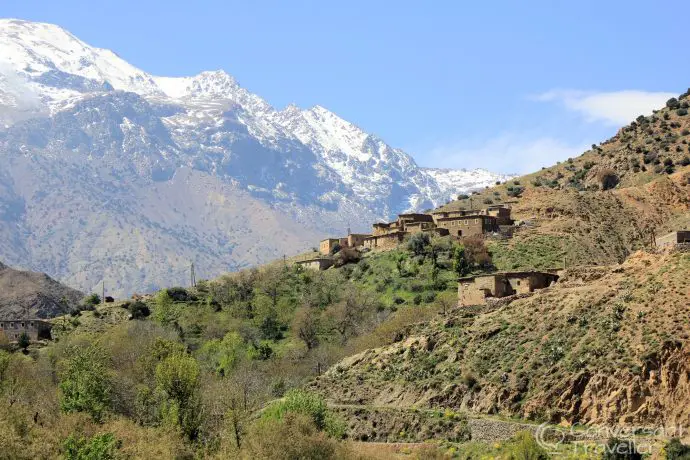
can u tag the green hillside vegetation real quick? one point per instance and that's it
(193, 366)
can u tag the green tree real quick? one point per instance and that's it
(99, 447)
(91, 300)
(418, 243)
(460, 262)
(24, 341)
(85, 383)
(178, 380)
(165, 310)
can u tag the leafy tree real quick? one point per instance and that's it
(418, 243)
(460, 263)
(91, 300)
(178, 379)
(85, 383)
(307, 326)
(224, 355)
(165, 310)
(24, 341)
(99, 447)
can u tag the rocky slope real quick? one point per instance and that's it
(605, 345)
(35, 295)
(98, 157)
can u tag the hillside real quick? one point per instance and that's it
(567, 217)
(606, 345)
(35, 295)
(112, 174)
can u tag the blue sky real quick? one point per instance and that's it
(506, 85)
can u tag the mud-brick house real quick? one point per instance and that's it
(36, 329)
(474, 290)
(327, 245)
(316, 263)
(501, 213)
(681, 237)
(356, 240)
(385, 241)
(468, 225)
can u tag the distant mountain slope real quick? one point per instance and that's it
(35, 295)
(98, 160)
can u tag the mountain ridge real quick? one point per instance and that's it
(107, 128)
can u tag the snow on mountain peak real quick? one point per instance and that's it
(34, 49)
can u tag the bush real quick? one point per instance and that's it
(91, 300)
(293, 436)
(180, 294)
(523, 446)
(138, 309)
(417, 300)
(463, 196)
(675, 450)
(99, 447)
(307, 404)
(681, 112)
(685, 161)
(515, 192)
(488, 201)
(428, 297)
(672, 103)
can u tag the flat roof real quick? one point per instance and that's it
(471, 216)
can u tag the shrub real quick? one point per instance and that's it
(488, 201)
(91, 300)
(672, 103)
(524, 446)
(515, 191)
(180, 294)
(292, 437)
(99, 447)
(428, 297)
(417, 300)
(675, 450)
(685, 161)
(138, 309)
(681, 112)
(304, 403)
(463, 196)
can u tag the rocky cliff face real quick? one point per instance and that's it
(110, 173)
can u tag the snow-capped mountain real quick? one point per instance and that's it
(96, 150)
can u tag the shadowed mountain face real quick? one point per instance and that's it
(110, 174)
(34, 295)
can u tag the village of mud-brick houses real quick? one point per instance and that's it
(459, 224)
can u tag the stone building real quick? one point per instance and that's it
(317, 263)
(474, 290)
(356, 240)
(501, 213)
(327, 245)
(680, 237)
(385, 241)
(36, 329)
(469, 225)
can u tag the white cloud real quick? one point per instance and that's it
(507, 153)
(614, 108)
